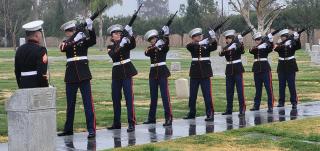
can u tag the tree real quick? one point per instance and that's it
(14, 13)
(266, 12)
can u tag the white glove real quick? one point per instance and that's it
(287, 43)
(296, 35)
(159, 43)
(233, 46)
(166, 30)
(212, 34)
(129, 30)
(240, 38)
(204, 42)
(89, 24)
(262, 46)
(79, 36)
(124, 41)
(270, 36)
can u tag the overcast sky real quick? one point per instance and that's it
(129, 6)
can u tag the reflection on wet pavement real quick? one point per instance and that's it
(144, 134)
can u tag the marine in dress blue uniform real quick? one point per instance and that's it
(234, 71)
(122, 73)
(159, 73)
(78, 75)
(31, 60)
(201, 71)
(262, 70)
(287, 66)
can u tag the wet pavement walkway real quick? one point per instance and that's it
(145, 134)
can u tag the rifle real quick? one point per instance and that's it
(219, 26)
(81, 26)
(299, 32)
(236, 40)
(266, 38)
(161, 32)
(133, 18)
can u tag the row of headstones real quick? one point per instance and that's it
(314, 53)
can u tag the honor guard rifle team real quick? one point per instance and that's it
(31, 63)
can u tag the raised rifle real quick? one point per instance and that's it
(81, 27)
(236, 40)
(133, 18)
(161, 32)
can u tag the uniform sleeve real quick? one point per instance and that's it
(279, 48)
(148, 51)
(213, 46)
(165, 47)
(17, 70)
(129, 46)
(296, 44)
(92, 39)
(42, 66)
(253, 50)
(191, 47)
(111, 52)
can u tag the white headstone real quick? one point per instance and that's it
(22, 41)
(175, 66)
(218, 65)
(308, 49)
(316, 48)
(182, 88)
(32, 120)
(244, 60)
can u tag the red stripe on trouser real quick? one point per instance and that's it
(271, 87)
(212, 100)
(94, 113)
(244, 99)
(132, 97)
(168, 95)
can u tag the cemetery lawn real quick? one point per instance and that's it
(308, 84)
(297, 135)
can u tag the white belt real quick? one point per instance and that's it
(261, 59)
(121, 62)
(30, 73)
(234, 62)
(158, 64)
(288, 58)
(200, 59)
(77, 58)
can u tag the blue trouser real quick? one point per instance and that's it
(289, 78)
(164, 89)
(206, 88)
(231, 81)
(127, 86)
(71, 92)
(260, 79)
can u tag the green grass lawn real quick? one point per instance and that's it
(298, 135)
(308, 83)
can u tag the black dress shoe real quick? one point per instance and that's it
(167, 122)
(227, 113)
(131, 128)
(65, 134)
(91, 135)
(209, 118)
(242, 114)
(113, 127)
(189, 117)
(254, 109)
(270, 110)
(294, 107)
(149, 122)
(280, 105)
